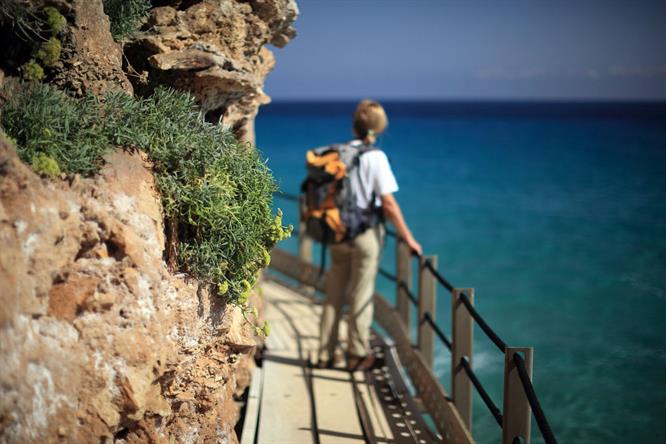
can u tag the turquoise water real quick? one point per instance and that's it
(556, 215)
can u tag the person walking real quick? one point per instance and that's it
(355, 262)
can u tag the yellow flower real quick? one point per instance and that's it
(266, 329)
(45, 165)
(223, 288)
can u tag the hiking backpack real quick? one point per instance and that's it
(329, 206)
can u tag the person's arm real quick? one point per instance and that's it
(394, 215)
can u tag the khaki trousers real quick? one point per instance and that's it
(351, 279)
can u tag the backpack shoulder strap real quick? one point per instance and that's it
(357, 159)
(360, 151)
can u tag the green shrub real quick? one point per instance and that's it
(218, 190)
(49, 51)
(32, 71)
(45, 165)
(55, 20)
(7, 137)
(44, 120)
(125, 16)
(36, 30)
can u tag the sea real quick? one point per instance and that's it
(555, 213)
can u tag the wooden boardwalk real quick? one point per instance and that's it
(292, 402)
(295, 403)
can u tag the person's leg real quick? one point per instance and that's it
(364, 262)
(336, 286)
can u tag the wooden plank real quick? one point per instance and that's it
(286, 410)
(293, 318)
(305, 310)
(276, 293)
(279, 338)
(337, 418)
(293, 267)
(252, 408)
(378, 419)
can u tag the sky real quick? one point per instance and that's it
(471, 50)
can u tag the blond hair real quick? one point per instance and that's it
(369, 121)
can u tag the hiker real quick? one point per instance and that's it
(349, 216)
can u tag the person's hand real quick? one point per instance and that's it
(414, 246)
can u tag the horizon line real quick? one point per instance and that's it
(566, 100)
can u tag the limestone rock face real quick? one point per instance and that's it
(98, 341)
(91, 61)
(214, 49)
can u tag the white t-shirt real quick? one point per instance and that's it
(375, 175)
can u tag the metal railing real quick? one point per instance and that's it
(520, 398)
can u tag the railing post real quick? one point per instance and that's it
(462, 342)
(403, 272)
(304, 244)
(427, 303)
(517, 412)
(305, 252)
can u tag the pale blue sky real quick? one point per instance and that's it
(481, 49)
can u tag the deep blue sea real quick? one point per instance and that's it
(556, 215)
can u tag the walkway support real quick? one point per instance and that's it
(517, 410)
(403, 267)
(427, 304)
(462, 348)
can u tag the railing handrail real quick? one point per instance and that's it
(442, 280)
(542, 422)
(287, 196)
(410, 295)
(494, 410)
(387, 274)
(535, 405)
(427, 317)
(483, 324)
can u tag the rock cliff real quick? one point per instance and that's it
(99, 341)
(215, 49)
